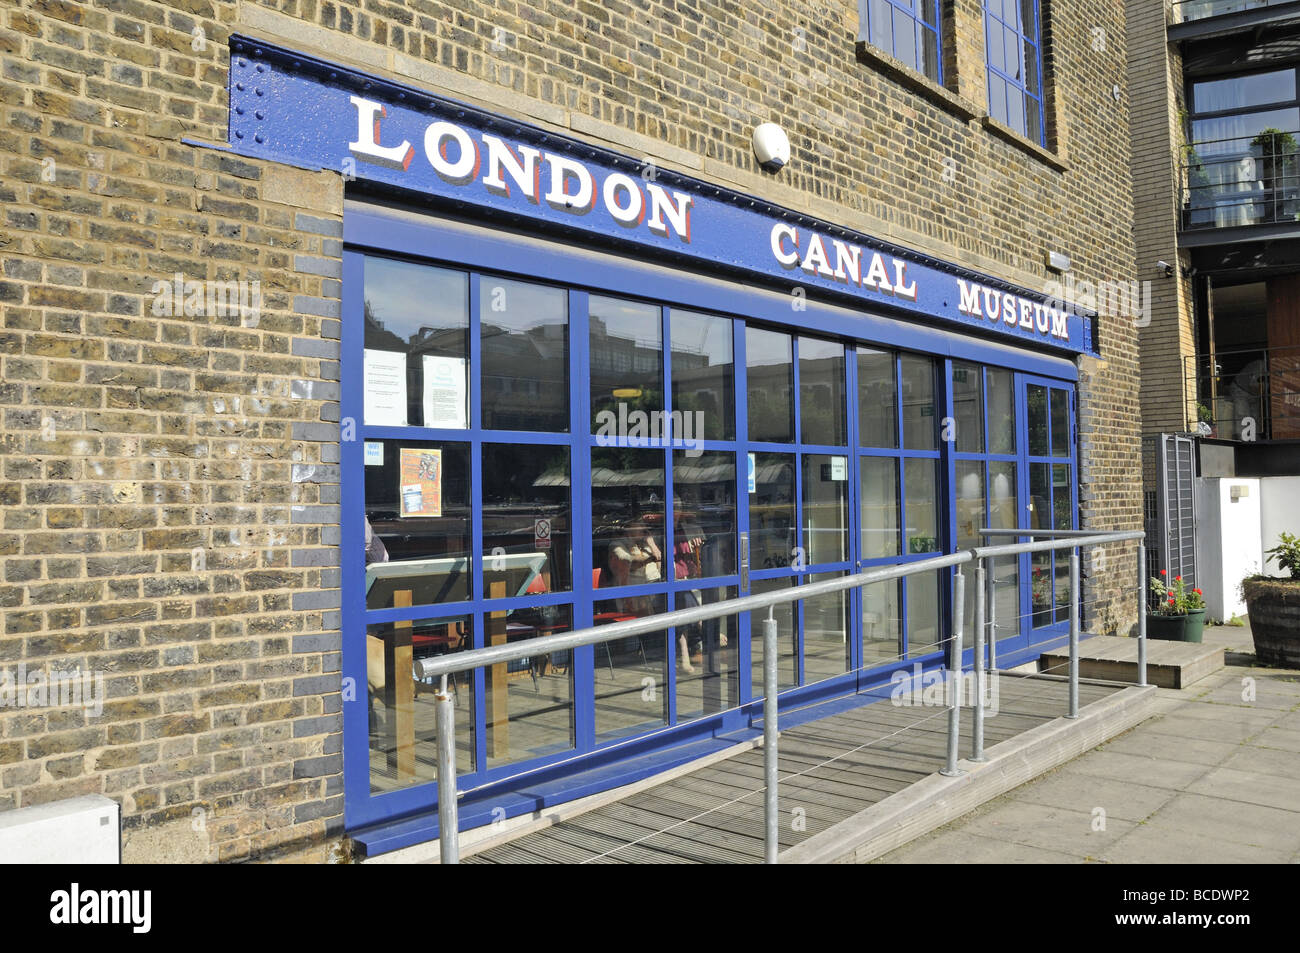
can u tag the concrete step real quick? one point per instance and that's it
(1114, 658)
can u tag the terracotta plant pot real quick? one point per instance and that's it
(1176, 628)
(1273, 606)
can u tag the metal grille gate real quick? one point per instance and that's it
(1170, 508)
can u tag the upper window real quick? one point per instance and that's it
(908, 30)
(1013, 44)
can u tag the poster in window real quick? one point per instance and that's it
(384, 373)
(420, 476)
(444, 392)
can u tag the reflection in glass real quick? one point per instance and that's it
(769, 363)
(878, 492)
(1003, 514)
(403, 728)
(787, 638)
(825, 632)
(771, 511)
(1002, 410)
(1062, 518)
(922, 613)
(529, 702)
(970, 520)
(426, 556)
(968, 407)
(626, 360)
(882, 623)
(1040, 493)
(704, 515)
(522, 493)
(877, 399)
(627, 517)
(821, 392)
(825, 508)
(708, 679)
(919, 418)
(631, 674)
(921, 491)
(1036, 409)
(702, 376)
(525, 356)
(1060, 423)
(416, 317)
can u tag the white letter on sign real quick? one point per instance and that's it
(465, 167)
(367, 147)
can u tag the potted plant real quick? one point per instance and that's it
(1276, 151)
(1179, 612)
(1273, 607)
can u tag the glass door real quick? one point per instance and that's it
(1048, 487)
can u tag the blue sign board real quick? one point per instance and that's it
(290, 108)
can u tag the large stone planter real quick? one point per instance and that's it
(1274, 609)
(1176, 628)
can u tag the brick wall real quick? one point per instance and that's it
(170, 482)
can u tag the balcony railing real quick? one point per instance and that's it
(1243, 181)
(1185, 11)
(1246, 395)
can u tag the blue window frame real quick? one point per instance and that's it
(908, 30)
(1013, 47)
(507, 456)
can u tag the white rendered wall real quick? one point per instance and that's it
(1227, 541)
(1280, 502)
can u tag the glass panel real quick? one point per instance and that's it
(878, 493)
(416, 325)
(527, 535)
(877, 399)
(879, 20)
(995, 52)
(905, 37)
(771, 511)
(1002, 410)
(708, 679)
(1060, 423)
(968, 407)
(821, 392)
(1230, 136)
(826, 508)
(920, 490)
(524, 329)
(998, 98)
(626, 363)
(919, 420)
(703, 370)
(930, 53)
(825, 632)
(631, 674)
(882, 623)
(1003, 514)
(970, 519)
(922, 613)
(787, 639)
(704, 514)
(529, 701)
(1036, 409)
(1040, 518)
(1028, 20)
(769, 363)
(1062, 518)
(627, 517)
(403, 727)
(418, 510)
(1242, 92)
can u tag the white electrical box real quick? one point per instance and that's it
(80, 830)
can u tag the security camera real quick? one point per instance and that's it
(771, 147)
(1166, 268)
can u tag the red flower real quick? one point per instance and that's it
(1171, 597)
(1178, 578)
(1162, 572)
(1197, 591)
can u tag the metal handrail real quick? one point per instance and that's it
(595, 635)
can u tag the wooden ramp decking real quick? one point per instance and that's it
(831, 770)
(1112, 657)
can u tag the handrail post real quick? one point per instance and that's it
(1073, 711)
(977, 726)
(771, 821)
(1142, 612)
(448, 822)
(954, 675)
(990, 611)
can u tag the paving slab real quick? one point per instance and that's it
(1049, 828)
(1251, 787)
(1084, 792)
(966, 848)
(1191, 752)
(1279, 738)
(1252, 825)
(1146, 844)
(1272, 762)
